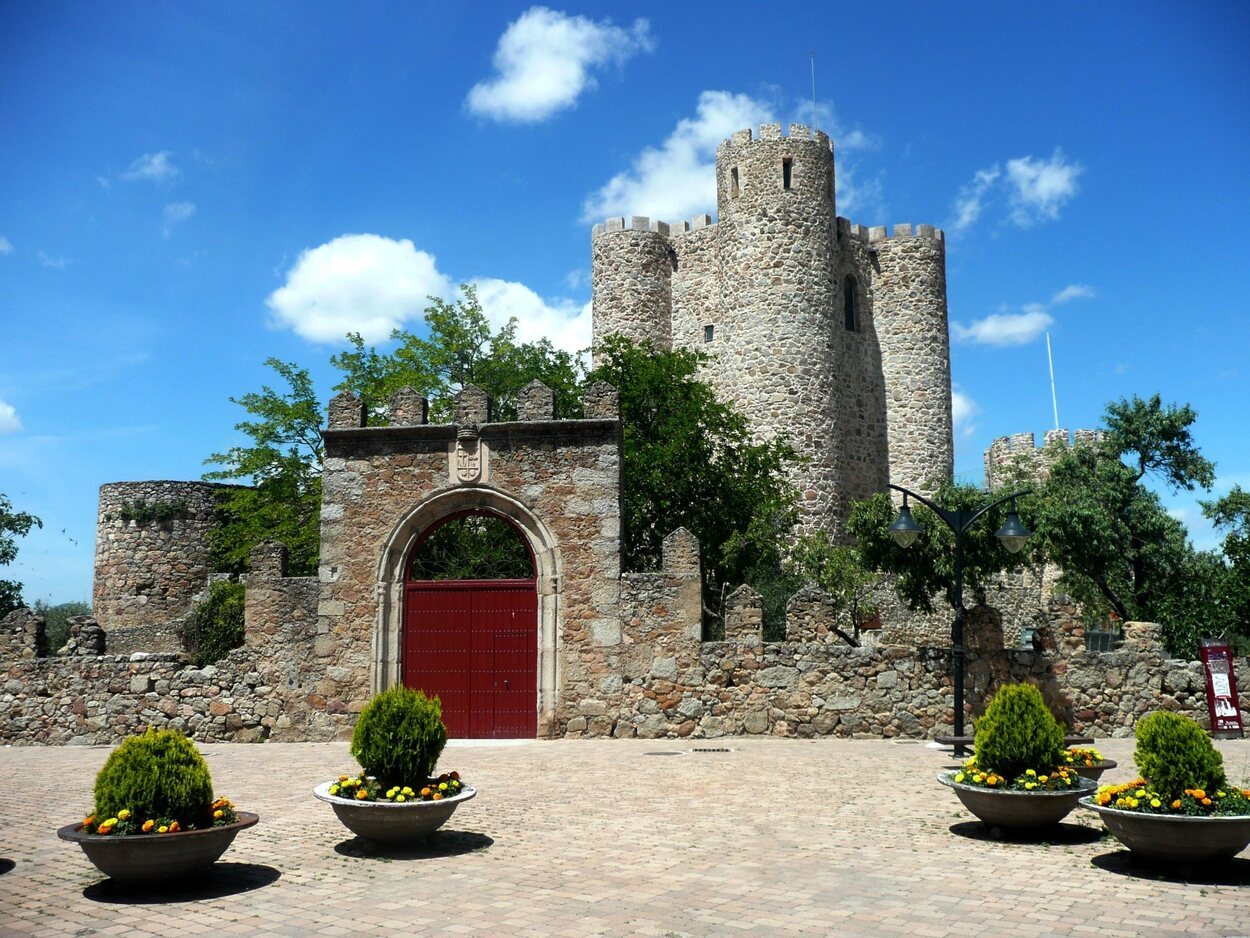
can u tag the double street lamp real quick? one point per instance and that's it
(1012, 534)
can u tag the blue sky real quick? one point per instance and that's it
(191, 188)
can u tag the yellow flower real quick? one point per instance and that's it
(442, 786)
(123, 815)
(400, 798)
(1043, 778)
(959, 777)
(407, 791)
(1030, 772)
(1156, 803)
(218, 814)
(362, 794)
(1030, 785)
(148, 825)
(163, 829)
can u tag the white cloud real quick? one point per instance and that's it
(970, 203)
(678, 179)
(543, 63)
(565, 323)
(10, 422)
(6, 246)
(963, 410)
(1003, 329)
(1075, 291)
(1041, 188)
(156, 167)
(55, 263)
(176, 213)
(357, 283)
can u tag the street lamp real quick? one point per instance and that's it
(1012, 534)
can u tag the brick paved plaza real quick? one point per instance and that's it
(616, 838)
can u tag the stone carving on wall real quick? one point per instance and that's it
(469, 457)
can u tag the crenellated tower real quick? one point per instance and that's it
(826, 333)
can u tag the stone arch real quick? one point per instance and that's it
(386, 670)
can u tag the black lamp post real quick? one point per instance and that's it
(1013, 534)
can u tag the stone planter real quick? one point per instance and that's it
(1175, 838)
(1094, 772)
(1017, 810)
(390, 824)
(141, 859)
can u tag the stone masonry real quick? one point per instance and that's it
(149, 570)
(822, 332)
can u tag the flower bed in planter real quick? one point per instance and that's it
(1015, 806)
(398, 815)
(1197, 827)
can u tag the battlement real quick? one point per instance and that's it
(1009, 455)
(902, 232)
(772, 132)
(652, 225)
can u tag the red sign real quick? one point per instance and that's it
(1217, 664)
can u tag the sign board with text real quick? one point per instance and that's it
(1222, 704)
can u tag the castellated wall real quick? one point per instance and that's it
(149, 570)
(1010, 458)
(763, 292)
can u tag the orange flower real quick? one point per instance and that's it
(1199, 793)
(425, 793)
(1206, 802)
(174, 827)
(362, 794)
(148, 825)
(1176, 805)
(437, 797)
(88, 820)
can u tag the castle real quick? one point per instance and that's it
(819, 331)
(829, 335)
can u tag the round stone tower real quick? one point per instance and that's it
(909, 305)
(152, 556)
(632, 271)
(773, 346)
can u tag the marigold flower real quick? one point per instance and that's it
(88, 820)
(1156, 803)
(401, 798)
(163, 829)
(218, 814)
(1199, 793)
(442, 786)
(437, 797)
(959, 776)
(362, 794)
(1043, 778)
(123, 815)
(342, 778)
(1206, 802)
(1176, 805)
(148, 825)
(174, 827)
(1030, 772)
(425, 792)
(104, 828)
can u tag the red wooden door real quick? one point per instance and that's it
(474, 644)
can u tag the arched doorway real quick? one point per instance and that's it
(470, 624)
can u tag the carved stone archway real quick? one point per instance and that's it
(386, 669)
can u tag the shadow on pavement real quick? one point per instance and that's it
(222, 879)
(6, 865)
(437, 845)
(1235, 872)
(1059, 834)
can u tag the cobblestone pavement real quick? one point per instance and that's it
(616, 837)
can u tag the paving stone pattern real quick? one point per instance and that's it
(617, 837)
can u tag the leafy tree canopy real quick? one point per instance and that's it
(927, 567)
(283, 465)
(461, 349)
(13, 524)
(689, 461)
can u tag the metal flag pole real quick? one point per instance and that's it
(1054, 400)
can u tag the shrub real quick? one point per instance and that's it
(1018, 733)
(159, 774)
(1174, 754)
(215, 625)
(399, 737)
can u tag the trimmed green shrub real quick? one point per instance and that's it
(399, 737)
(1018, 733)
(1174, 753)
(215, 625)
(159, 774)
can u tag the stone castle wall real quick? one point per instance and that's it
(149, 570)
(1011, 458)
(762, 292)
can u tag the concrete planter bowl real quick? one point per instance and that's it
(143, 859)
(388, 824)
(1017, 810)
(1173, 838)
(1094, 772)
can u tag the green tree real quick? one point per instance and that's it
(461, 348)
(689, 460)
(283, 465)
(927, 567)
(1110, 535)
(56, 619)
(1231, 514)
(13, 524)
(839, 570)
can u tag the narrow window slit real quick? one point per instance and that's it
(787, 172)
